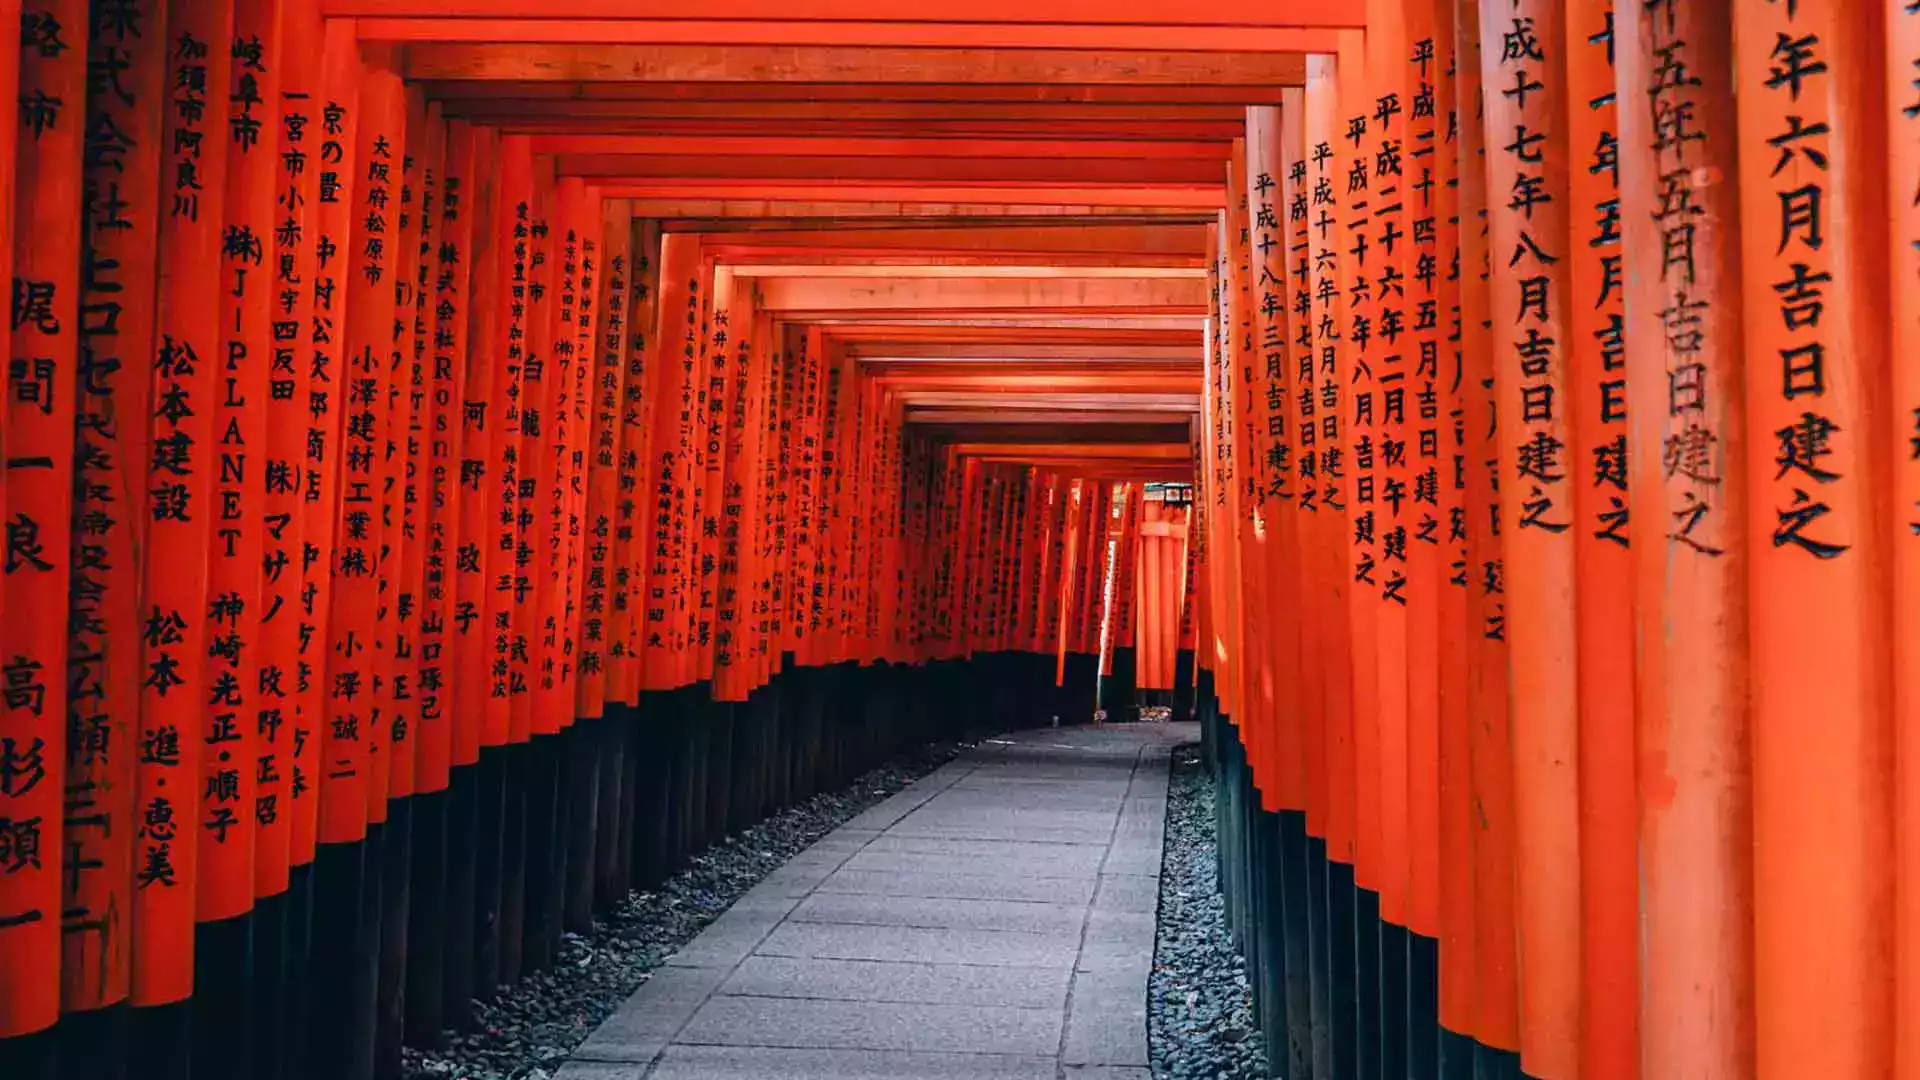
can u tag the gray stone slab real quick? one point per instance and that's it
(1106, 1072)
(648, 1020)
(1138, 893)
(905, 862)
(1106, 1022)
(752, 1063)
(1117, 942)
(729, 938)
(959, 884)
(865, 1025)
(916, 944)
(1033, 917)
(872, 980)
(600, 1070)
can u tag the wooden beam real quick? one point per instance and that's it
(849, 34)
(1133, 196)
(954, 266)
(1246, 14)
(1186, 296)
(815, 64)
(1146, 451)
(1027, 239)
(627, 168)
(1223, 120)
(735, 146)
(551, 89)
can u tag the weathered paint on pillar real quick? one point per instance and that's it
(1813, 188)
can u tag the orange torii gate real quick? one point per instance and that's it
(484, 454)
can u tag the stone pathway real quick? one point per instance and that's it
(994, 921)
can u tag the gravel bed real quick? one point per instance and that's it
(1200, 1016)
(529, 1030)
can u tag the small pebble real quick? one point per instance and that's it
(1201, 1020)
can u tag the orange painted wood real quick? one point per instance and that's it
(930, 34)
(417, 719)
(361, 672)
(1495, 987)
(1357, 767)
(173, 714)
(38, 502)
(1391, 357)
(540, 379)
(813, 64)
(599, 677)
(1686, 379)
(1903, 52)
(234, 742)
(507, 458)
(671, 360)
(447, 292)
(1813, 252)
(1185, 198)
(636, 486)
(1530, 309)
(1248, 686)
(112, 405)
(1273, 409)
(1454, 631)
(1239, 13)
(546, 531)
(481, 721)
(1603, 562)
(580, 437)
(289, 638)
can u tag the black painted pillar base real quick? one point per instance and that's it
(223, 999)
(299, 973)
(1345, 940)
(1366, 927)
(656, 745)
(1423, 1008)
(1118, 691)
(92, 1046)
(1394, 959)
(1457, 1052)
(1079, 688)
(1294, 930)
(160, 1042)
(336, 1029)
(513, 861)
(33, 1057)
(1491, 1064)
(585, 746)
(1183, 706)
(271, 957)
(545, 843)
(1320, 955)
(612, 803)
(426, 920)
(489, 876)
(463, 819)
(719, 768)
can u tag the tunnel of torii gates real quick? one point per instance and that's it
(463, 456)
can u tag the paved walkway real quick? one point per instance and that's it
(994, 921)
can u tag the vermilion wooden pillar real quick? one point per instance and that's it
(186, 388)
(1689, 432)
(38, 503)
(1597, 378)
(1526, 149)
(1496, 1017)
(119, 241)
(1904, 162)
(1814, 251)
